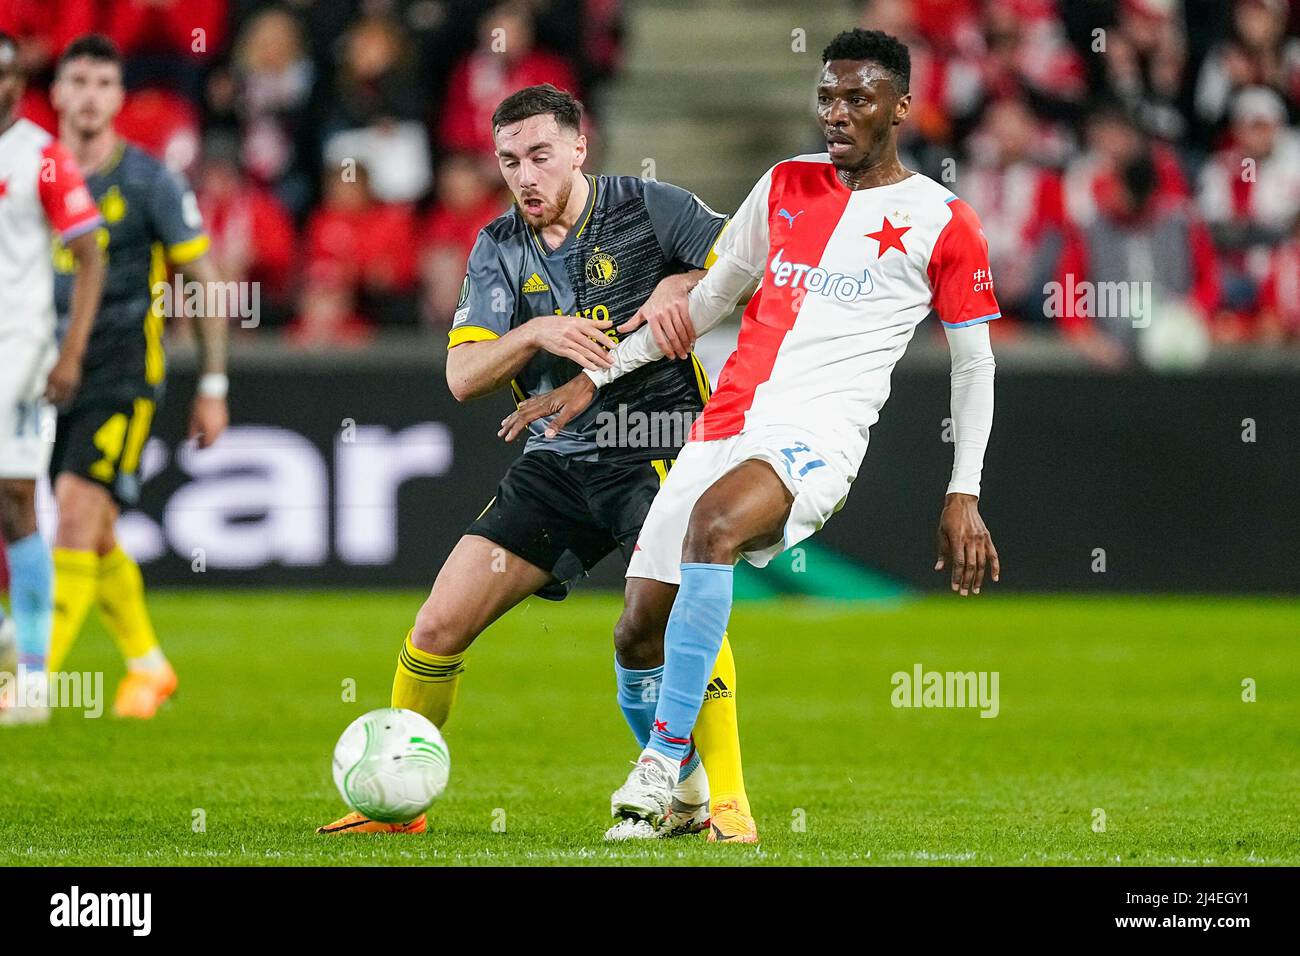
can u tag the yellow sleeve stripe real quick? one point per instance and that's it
(712, 257)
(701, 379)
(469, 333)
(187, 251)
(595, 192)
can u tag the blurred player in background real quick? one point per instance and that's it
(151, 221)
(850, 251)
(547, 282)
(41, 190)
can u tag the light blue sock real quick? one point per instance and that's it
(638, 693)
(31, 596)
(691, 645)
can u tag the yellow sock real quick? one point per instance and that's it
(427, 683)
(121, 603)
(717, 733)
(76, 580)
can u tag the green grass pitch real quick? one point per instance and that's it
(1129, 706)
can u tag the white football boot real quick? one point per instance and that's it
(647, 794)
(689, 813)
(631, 828)
(25, 698)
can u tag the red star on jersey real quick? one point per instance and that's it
(661, 726)
(4, 187)
(889, 237)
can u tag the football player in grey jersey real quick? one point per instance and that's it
(550, 284)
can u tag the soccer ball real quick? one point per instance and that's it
(391, 764)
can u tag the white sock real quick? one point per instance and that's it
(153, 661)
(668, 763)
(693, 789)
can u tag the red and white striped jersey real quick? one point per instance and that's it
(847, 275)
(41, 190)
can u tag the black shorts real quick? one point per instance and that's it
(102, 441)
(564, 516)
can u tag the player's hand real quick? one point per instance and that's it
(564, 403)
(668, 315)
(575, 338)
(62, 382)
(965, 546)
(208, 419)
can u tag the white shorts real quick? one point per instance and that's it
(818, 480)
(26, 419)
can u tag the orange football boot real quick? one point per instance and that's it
(729, 825)
(357, 823)
(142, 692)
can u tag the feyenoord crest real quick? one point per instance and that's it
(113, 205)
(601, 269)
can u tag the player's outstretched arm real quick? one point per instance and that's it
(965, 546)
(668, 314)
(480, 368)
(65, 376)
(709, 301)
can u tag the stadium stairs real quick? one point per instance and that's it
(712, 92)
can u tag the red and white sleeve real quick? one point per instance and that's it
(960, 280)
(68, 205)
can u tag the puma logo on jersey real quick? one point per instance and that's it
(783, 213)
(536, 283)
(816, 279)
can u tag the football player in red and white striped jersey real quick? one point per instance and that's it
(849, 251)
(41, 191)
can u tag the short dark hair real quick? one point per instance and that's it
(94, 46)
(876, 46)
(536, 100)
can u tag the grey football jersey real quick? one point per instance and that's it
(631, 235)
(151, 220)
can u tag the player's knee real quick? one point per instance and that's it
(711, 535)
(436, 633)
(17, 510)
(80, 519)
(638, 638)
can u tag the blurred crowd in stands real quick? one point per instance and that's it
(340, 149)
(342, 154)
(1113, 141)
